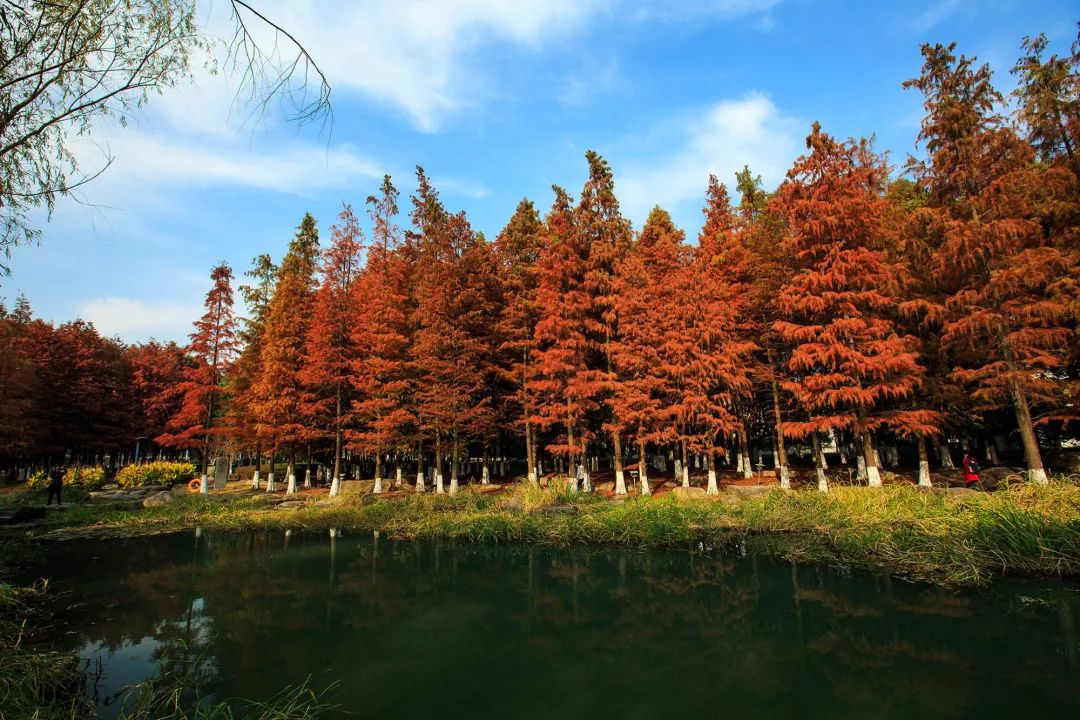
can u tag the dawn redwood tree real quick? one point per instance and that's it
(157, 377)
(18, 385)
(278, 394)
(517, 251)
(450, 357)
(646, 399)
(381, 335)
(213, 347)
(607, 237)
(851, 366)
(719, 355)
(562, 383)
(763, 268)
(1009, 287)
(248, 366)
(327, 372)
(1049, 101)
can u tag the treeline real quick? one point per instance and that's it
(852, 308)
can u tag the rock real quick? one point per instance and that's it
(158, 499)
(372, 498)
(745, 490)
(291, 505)
(685, 493)
(110, 486)
(556, 510)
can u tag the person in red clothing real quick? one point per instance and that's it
(971, 472)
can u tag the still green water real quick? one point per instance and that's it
(455, 630)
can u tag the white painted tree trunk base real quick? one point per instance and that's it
(485, 476)
(873, 477)
(860, 473)
(1038, 476)
(924, 473)
(378, 485)
(532, 477)
(785, 477)
(822, 481)
(439, 484)
(713, 488)
(255, 481)
(748, 469)
(645, 491)
(335, 486)
(397, 478)
(453, 485)
(204, 485)
(420, 482)
(290, 489)
(685, 477)
(620, 482)
(307, 478)
(270, 483)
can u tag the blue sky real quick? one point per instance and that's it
(497, 99)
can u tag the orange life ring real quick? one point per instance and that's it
(195, 485)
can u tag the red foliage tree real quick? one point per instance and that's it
(646, 398)
(449, 354)
(213, 347)
(562, 383)
(328, 369)
(278, 394)
(381, 334)
(157, 376)
(716, 373)
(248, 367)
(1009, 286)
(850, 362)
(517, 251)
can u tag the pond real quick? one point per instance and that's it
(411, 629)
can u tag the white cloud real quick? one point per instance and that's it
(135, 320)
(725, 137)
(418, 55)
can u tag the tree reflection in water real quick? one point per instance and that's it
(411, 628)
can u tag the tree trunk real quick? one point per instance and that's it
(643, 470)
(620, 477)
(420, 465)
(455, 464)
(1036, 472)
(270, 476)
(942, 451)
(377, 489)
(744, 445)
(710, 464)
(873, 478)
(258, 466)
(438, 464)
(819, 463)
(924, 463)
(530, 459)
(290, 489)
(782, 470)
(570, 471)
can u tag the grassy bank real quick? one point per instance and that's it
(937, 536)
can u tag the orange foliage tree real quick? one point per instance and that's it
(850, 363)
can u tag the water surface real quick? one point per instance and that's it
(447, 630)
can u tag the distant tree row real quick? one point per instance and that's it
(849, 309)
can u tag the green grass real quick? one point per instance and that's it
(934, 536)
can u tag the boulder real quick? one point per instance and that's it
(158, 499)
(686, 493)
(291, 505)
(511, 505)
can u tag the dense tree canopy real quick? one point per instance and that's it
(853, 311)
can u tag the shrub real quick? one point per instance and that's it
(160, 472)
(89, 477)
(38, 481)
